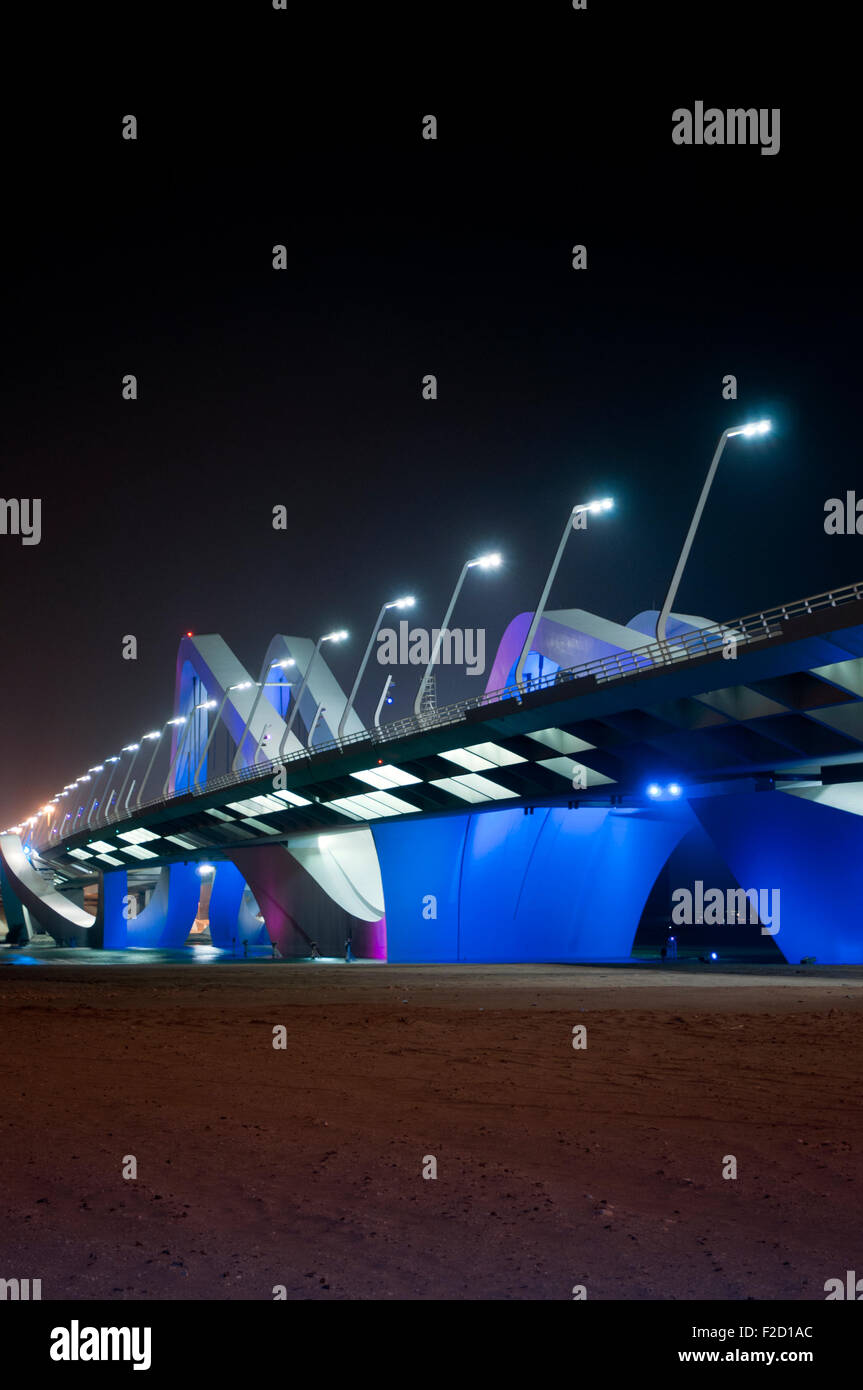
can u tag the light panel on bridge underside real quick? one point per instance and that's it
(137, 852)
(560, 741)
(137, 837)
(261, 825)
(566, 767)
(495, 754)
(471, 787)
(102, 846)
(482, 757)
(372, 805)
(183, 841)
(293, 798)
(79, 854)
(256, 805)
(386, 776)
(110, 859)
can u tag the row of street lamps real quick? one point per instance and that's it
(576, 519)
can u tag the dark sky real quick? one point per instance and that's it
(303, 387)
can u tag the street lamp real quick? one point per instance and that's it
(181, 741)
(109, 784)
(158, 735)
(484, 562)
(99, 768)
(605, 505)
(182, 724)
(394, 603)
(77, 783)
(262, 686)
(328, 637)
(55, 828)
(760, 427)
(50, 810)
(241, 685)
(129, 748)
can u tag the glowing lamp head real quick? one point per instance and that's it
(205, 869)
(750, 430)
(488, 562)
(674, 789)
(654, 790)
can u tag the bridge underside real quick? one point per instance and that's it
(519, 829)
(507, 885)
(572, 884)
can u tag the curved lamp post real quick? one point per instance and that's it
(328, 637)
(241, 685)
(604, 506)
(262, 686)
(181, 741)
(394, 603)
(157, 735)
(761, 427)
(105, 809)
(484, 562)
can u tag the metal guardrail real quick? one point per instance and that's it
(688, 646)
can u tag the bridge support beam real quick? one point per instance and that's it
(166, 920)
(810, 853)
(298, 911)
(39, 902)
(503, 886)
(18, 924)
(231, 922)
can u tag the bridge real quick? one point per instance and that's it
(526, 823)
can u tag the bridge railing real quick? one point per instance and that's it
(682, 647)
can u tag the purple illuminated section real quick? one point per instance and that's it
(557, 642)
(376, 939)
(297, 911)
(572, 637)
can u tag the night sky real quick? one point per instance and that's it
(303, 387)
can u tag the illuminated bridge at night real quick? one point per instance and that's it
(528, 823)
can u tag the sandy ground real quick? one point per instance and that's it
(555, 1167)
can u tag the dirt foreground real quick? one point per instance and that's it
(303, 1167)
